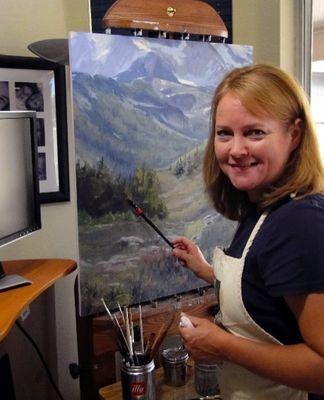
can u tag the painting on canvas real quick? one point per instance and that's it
(141, 116)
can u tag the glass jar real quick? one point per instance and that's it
(206, 382)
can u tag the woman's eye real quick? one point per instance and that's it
(222, 133)
(257, 133)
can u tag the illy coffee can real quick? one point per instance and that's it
(138, 381)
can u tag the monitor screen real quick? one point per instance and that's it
(19, 189)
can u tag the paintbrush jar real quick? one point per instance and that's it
(175, 367)
(206, 382)
(138, 381)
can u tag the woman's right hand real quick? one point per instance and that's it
(204, 340)
(193, 259)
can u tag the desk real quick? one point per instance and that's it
(43, 274)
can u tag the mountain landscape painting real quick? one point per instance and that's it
(141, 117)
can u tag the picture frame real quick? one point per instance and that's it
(30, 83)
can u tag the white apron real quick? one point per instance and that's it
(236, 382)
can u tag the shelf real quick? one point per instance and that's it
(43, 273)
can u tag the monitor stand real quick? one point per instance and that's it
(11, 281)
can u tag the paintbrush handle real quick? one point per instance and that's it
(141, 328)
(160, 336)
(128, 333)
(149, 343)
(157, 230)
(140, 213)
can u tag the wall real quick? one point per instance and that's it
(256, 22)
(260, 23)
(271, 27)
(23, 22)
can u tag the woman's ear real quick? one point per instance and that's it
(296, 130)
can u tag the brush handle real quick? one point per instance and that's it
(140, 213)
(149, 343)
(161, 335)
(157, 230)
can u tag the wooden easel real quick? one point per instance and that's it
(184, 17)
(171, 17)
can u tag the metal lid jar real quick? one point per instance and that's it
(174, 362)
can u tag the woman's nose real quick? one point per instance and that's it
(238, 147)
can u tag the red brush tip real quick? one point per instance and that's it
(139, 211)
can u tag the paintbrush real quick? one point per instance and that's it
(131, 329)
(121, 331)
(131, 324)
(128, 333)
(148, 346)
(140, 213)
(141, 328)
(121, 312)
(121, 340)
(161, 335)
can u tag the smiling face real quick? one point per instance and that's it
(252, 151)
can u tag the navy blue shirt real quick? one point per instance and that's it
(286, 258)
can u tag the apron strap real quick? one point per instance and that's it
(253, 234)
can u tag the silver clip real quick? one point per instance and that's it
(138, 32)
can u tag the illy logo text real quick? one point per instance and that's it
(138, 388)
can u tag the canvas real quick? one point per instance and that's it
(141, 118)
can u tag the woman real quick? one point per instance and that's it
(262, 168)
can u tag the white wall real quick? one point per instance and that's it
(23, 22)
(271, 27)
(256, 22)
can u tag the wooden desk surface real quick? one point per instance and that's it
(43, 273)
(163, 391)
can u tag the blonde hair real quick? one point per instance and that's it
(265, 90)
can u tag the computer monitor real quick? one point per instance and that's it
(19, 188)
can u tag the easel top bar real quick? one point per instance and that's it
(192, 16)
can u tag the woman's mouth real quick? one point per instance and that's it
(243, 165)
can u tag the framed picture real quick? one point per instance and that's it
(29, 83)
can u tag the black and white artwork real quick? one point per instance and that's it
(4, 96)
(42, 174)
(33, 84)
(29, 96)
(40, 131)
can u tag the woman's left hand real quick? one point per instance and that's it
(204, 340)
